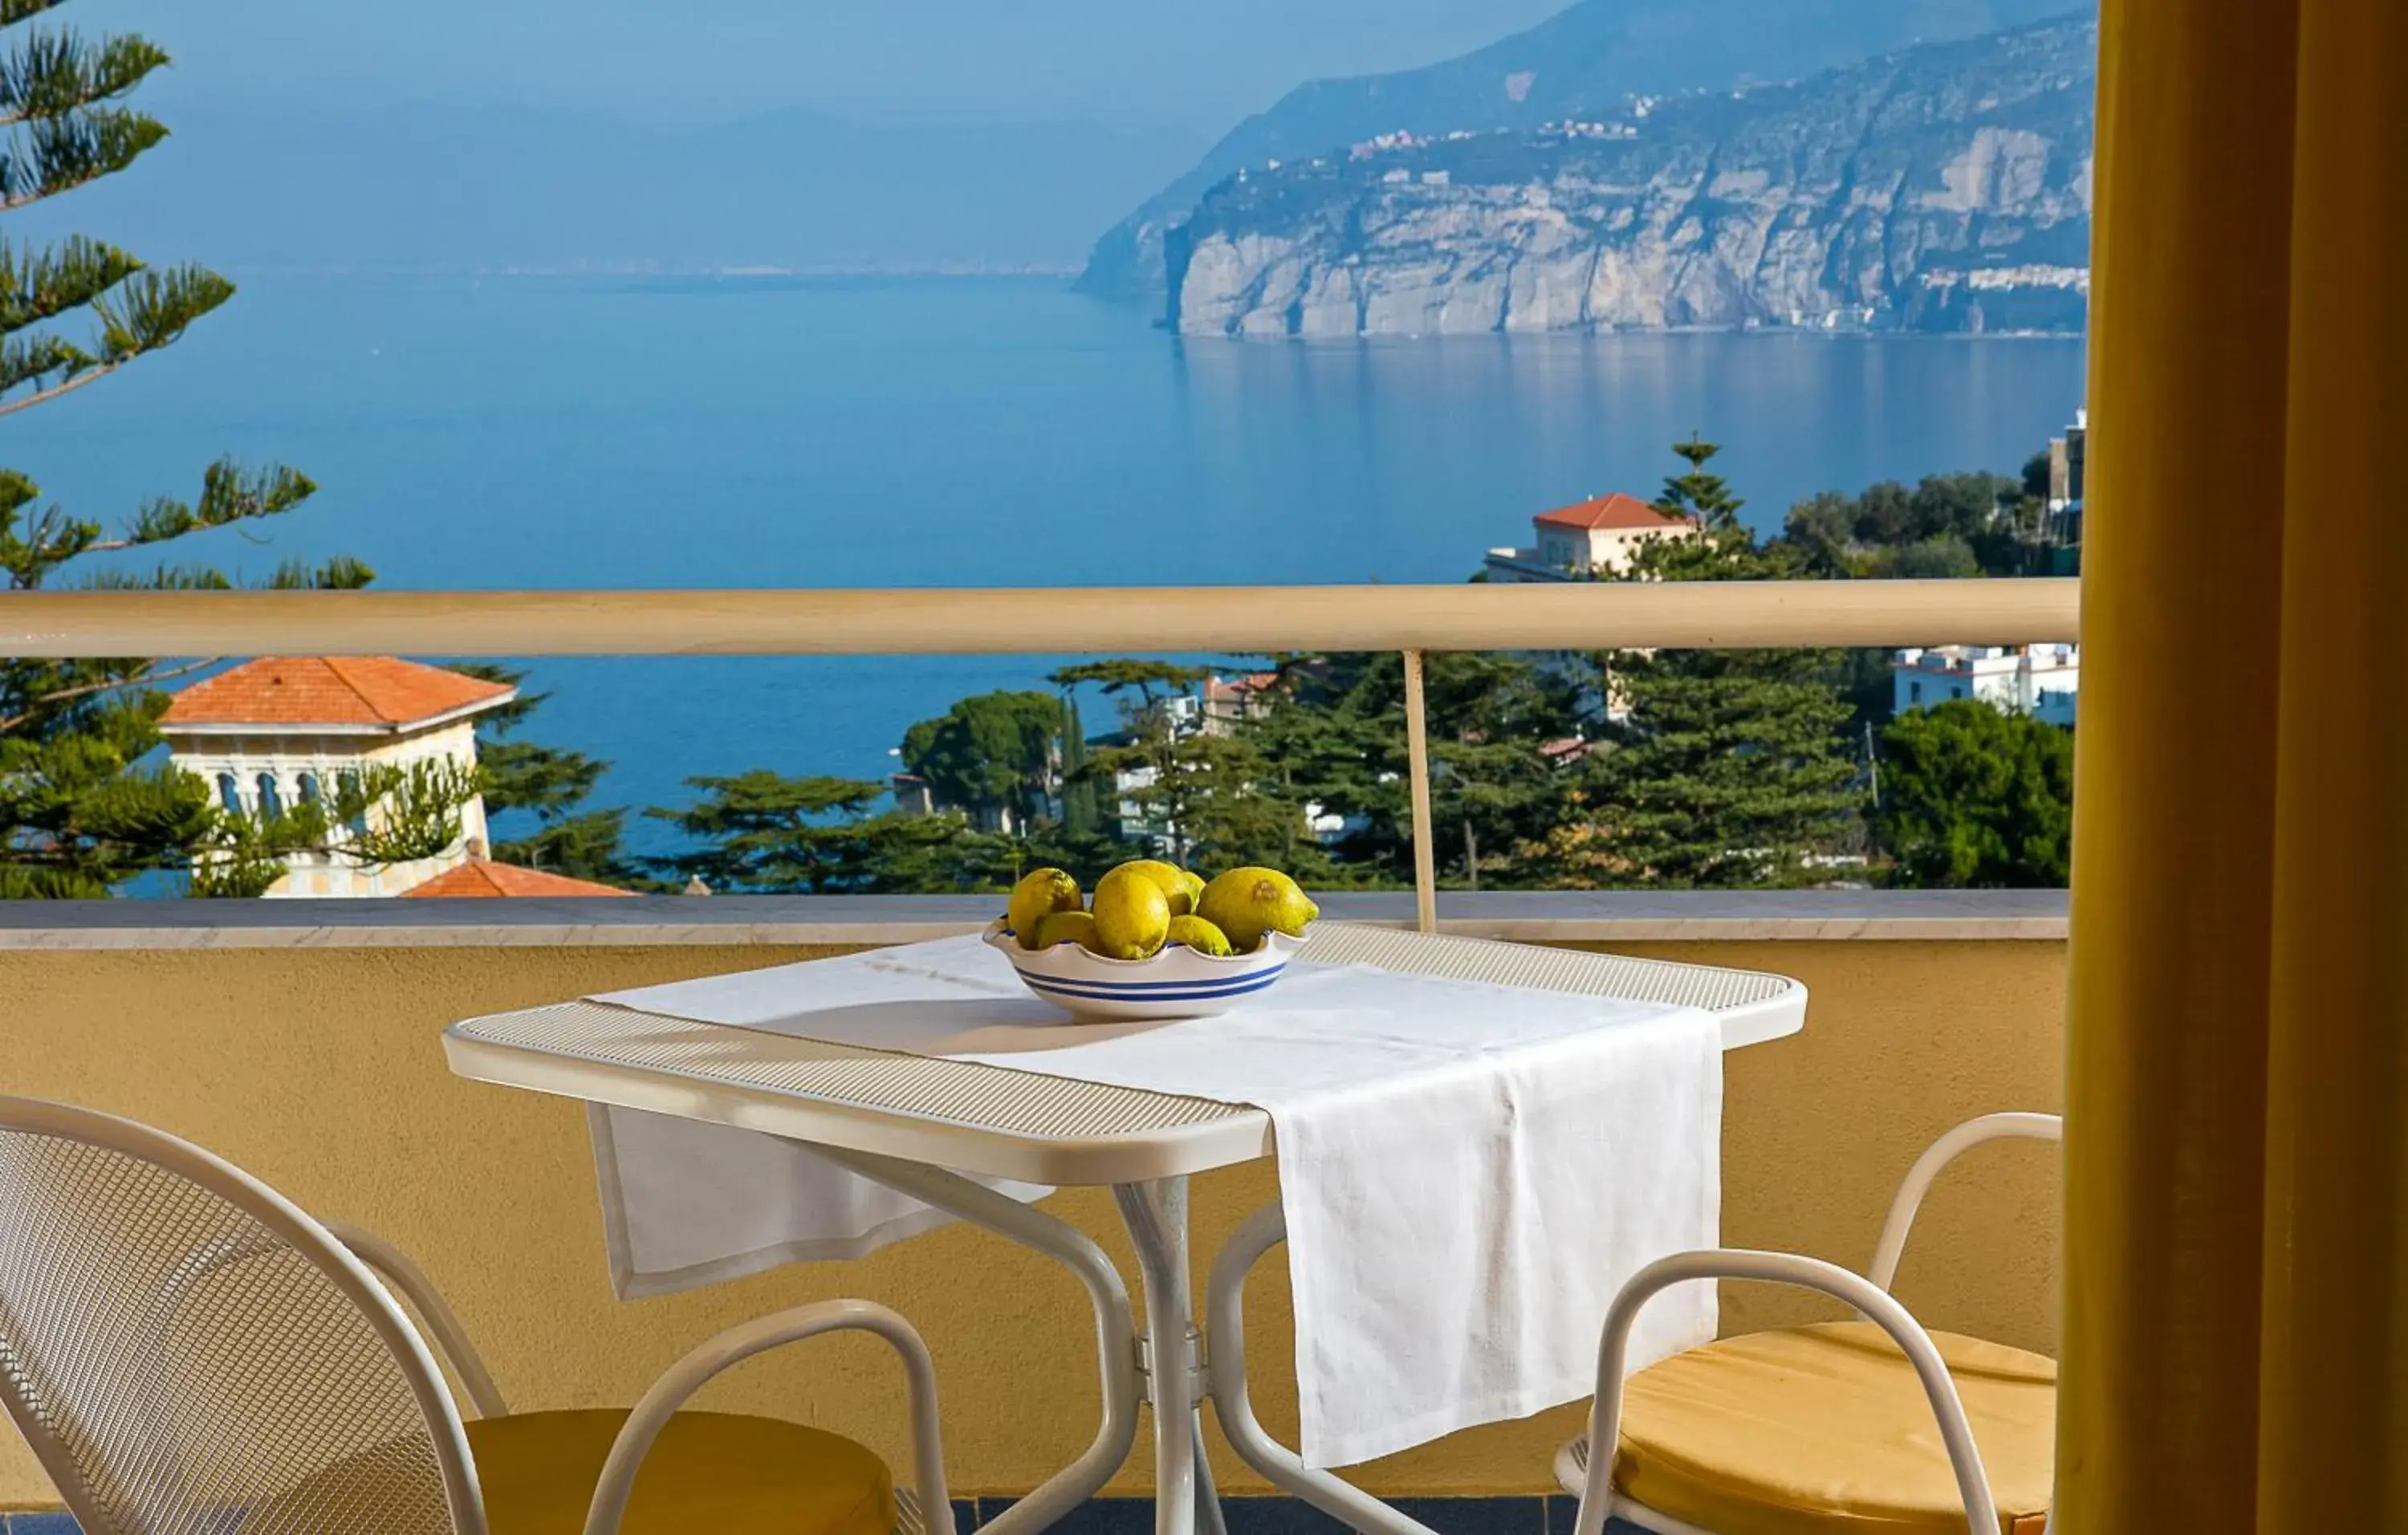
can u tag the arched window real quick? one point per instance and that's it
(271, 802)
(230, 793)
(359, 820)
(308, 783)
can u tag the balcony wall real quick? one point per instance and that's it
(303, 1045)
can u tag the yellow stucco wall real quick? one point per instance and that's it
(319, 1070)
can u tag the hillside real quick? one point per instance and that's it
(1946, 187)
(1588, 61)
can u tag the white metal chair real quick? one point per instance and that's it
(1809, 1430)
(190, 1354)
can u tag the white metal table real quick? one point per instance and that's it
(917, 1125)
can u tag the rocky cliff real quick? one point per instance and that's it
(1585, 61)
(1942, 188)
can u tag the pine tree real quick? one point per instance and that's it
(1732, 767)
(764, 833)
(79, 813)
(1699, 493)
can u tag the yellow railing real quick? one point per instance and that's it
(1472, 616)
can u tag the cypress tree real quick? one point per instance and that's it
(1082, 812)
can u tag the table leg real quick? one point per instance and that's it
(1209, 1518)
(1115, 1330)
(1224, 1308)
(1155, 1214)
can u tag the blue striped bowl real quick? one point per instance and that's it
(1178, 983)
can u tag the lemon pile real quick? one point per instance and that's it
(1145, 904)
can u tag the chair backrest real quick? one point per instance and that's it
(187, 1351)
(1950, 1146)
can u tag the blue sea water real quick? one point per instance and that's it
(504, 432)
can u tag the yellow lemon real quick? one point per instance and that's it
(1054, 927)
(1132, 915)
(1199, 935)
(1179, 887)
(1039, 892)
(1246, 903)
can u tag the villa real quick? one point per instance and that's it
(286, 731)
(1596, 537)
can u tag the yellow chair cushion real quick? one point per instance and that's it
(1825, 1430)
(709, 1473)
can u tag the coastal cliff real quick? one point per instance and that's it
(1942, 188)
(1587, 59)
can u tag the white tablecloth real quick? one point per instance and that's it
(1469, 1171)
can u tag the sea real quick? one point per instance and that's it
(484, 431)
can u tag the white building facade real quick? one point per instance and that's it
(2041, 681)
(1601, 535)
(276, 734)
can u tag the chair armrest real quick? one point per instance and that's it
(683, 1379)
(1874, 1304)
(1928, 1167)
(450, 1340)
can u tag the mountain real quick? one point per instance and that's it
(447, 186)
(1946, 187)
(1582, 63)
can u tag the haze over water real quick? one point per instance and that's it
(571, 431)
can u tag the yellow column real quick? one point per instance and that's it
(2333, 1393)
(2173, 836)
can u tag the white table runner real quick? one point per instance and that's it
(1469, 1171)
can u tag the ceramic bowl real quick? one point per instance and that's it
(1178, 983)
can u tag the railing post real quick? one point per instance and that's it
(1418, 767)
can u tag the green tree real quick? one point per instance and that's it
(1948, 524)
(1152, 682)
(1082, 808)
(1207, 796)
(83, 809)
(1974, 796)
(764, 833)
(1729, 767)
(1143, 690)
(1700, 493)
(1729, 774)
(1330, 737)
(997, 753)
(1492, 789)
(552, 784)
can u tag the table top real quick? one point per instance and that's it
(1013, 1124)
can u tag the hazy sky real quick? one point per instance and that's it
(1154, 63)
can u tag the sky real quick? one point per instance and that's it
(1128, 62)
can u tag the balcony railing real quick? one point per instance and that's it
(1411, 620)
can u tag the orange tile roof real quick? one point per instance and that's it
(345, 690)
(1617, 511)
(484, 877)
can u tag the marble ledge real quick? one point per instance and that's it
(1951, 916)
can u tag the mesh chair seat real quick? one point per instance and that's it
(1825, 1431)
(709, 1473)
